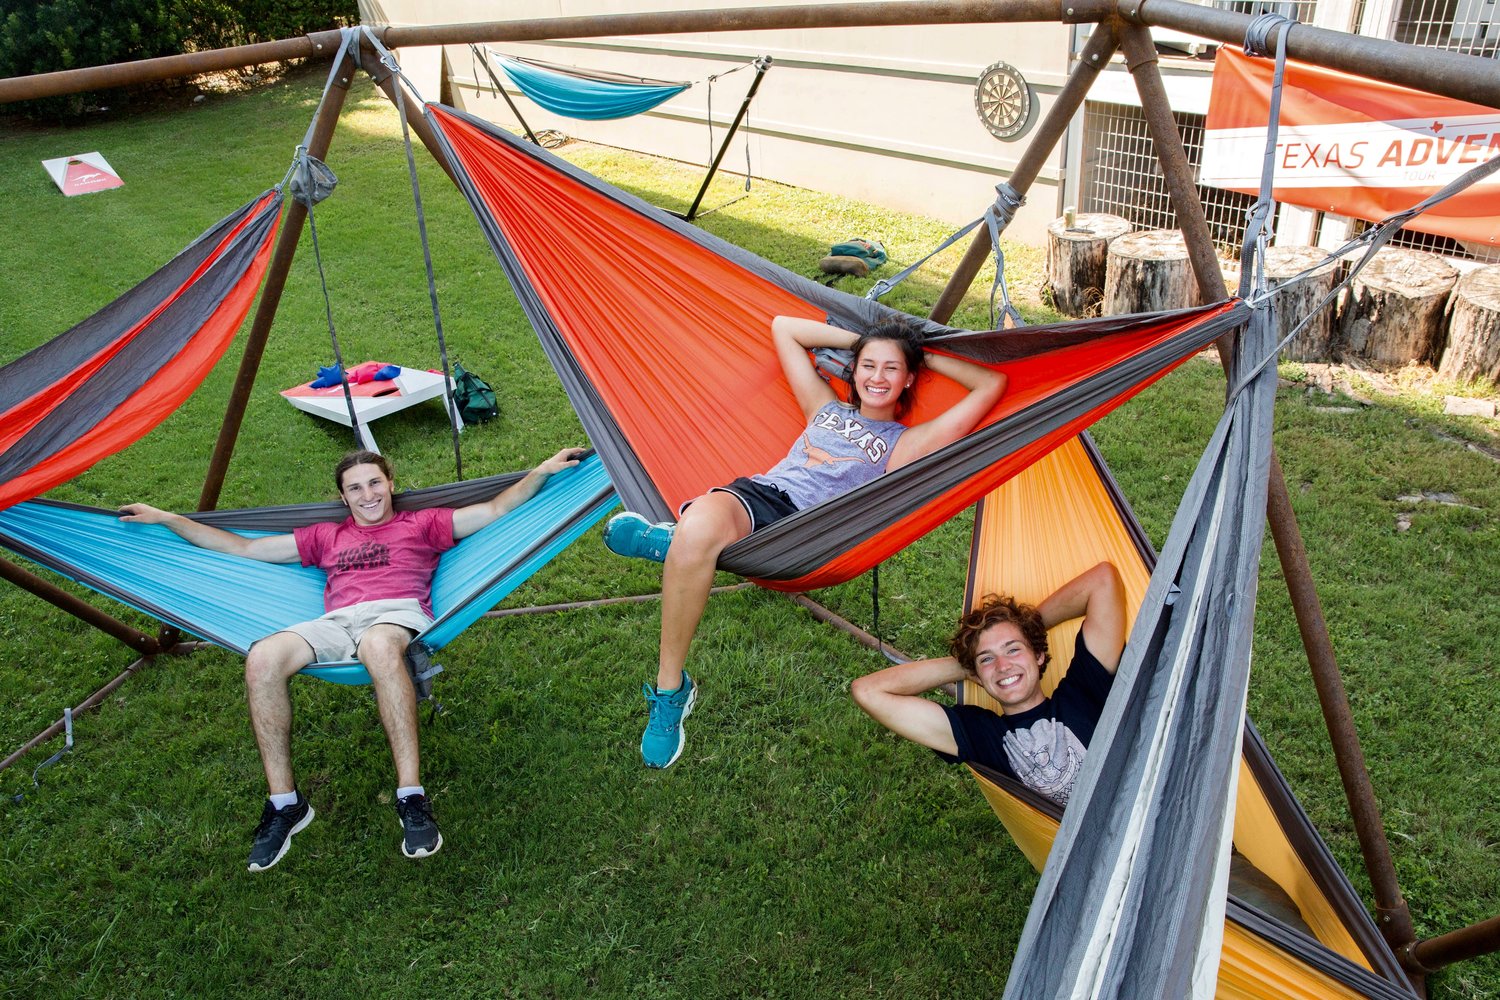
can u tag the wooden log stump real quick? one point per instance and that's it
(1294, 304)
(1149, 271)
(1077, 259)
(1393, 311)
(1473, 349)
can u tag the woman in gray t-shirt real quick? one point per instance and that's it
(844, 446)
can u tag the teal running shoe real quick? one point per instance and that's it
(630, 534)
(661, 744)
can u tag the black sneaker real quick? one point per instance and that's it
(420, 836)
(273, 834)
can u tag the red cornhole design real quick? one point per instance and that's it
(82, 174)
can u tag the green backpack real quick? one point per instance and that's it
(869, 251)
(473, 396)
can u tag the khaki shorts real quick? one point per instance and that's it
(335, 636)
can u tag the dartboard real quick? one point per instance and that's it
(1003, 100)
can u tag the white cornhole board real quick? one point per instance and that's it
(372, 400)
(82, 174)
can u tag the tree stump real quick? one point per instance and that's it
(1315, 342)
(1077, 259)
(1393, 312)
(1474, 327)
(1149, 271)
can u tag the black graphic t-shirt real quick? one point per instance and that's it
(1042, 747)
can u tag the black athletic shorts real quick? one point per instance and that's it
(764, 503)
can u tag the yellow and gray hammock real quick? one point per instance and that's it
(1183, 866)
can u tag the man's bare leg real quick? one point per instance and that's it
(268, 669)
(382, 650)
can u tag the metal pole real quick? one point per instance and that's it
(1394, 916)
(324, 43)
(761, 65)
(865, 639)
(80, 609)
(327, 117)
(1094, 57)
(93, 701)
(1140, 58)
(1449, 74)
(1455, 946)
(840, 15)
(72, 81)
(484, 61)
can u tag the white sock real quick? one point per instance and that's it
(406, 790)
(283, 799)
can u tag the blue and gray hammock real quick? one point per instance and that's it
(232, 602)
(587, 95)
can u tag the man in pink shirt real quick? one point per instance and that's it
(379, 563)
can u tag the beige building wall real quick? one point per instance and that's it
(884, 115)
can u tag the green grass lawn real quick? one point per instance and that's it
(796, 850)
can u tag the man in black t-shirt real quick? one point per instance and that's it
(1002, 645)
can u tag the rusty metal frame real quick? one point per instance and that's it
(1466, 78)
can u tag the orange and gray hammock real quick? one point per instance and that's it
(661, 336)
(100, 386)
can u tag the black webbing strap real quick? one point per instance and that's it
(760, 63)
(483, 60)
(995, 218)
(389, 62)
(67, 745)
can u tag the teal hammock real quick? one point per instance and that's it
(586, 95)
(232, 601)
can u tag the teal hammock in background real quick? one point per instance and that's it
(583, 94)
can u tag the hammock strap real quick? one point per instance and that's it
(309, 189)
(67, 745)
(333, 336)
(996, 218)
(480, 60)
(389, 62)
(1257, 37)
(757, 63)
(348, 45)
(884, 285)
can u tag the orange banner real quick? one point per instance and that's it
(1352, 146)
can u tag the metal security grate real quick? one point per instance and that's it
(1441, 245)
(1471, 27)
(1297, 10)
(1121, 175)
(1468, 26)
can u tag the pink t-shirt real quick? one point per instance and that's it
(386, 562)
